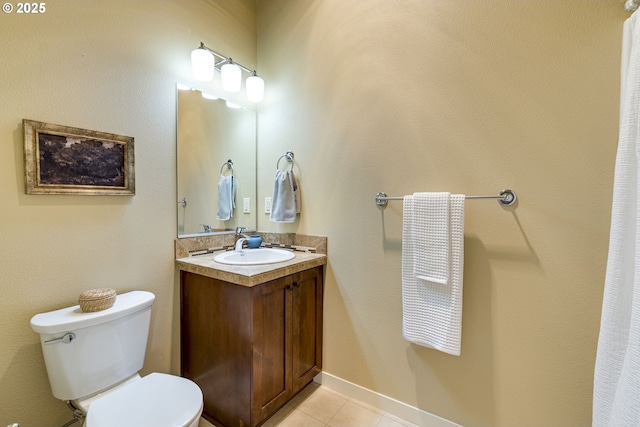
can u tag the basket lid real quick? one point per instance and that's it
(97, 294)
(71, 318)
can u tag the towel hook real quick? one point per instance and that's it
(289, 156)
(228, 164)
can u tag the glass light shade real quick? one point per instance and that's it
(202, 63)
(233, 105)
(231, 76)
(255, 89)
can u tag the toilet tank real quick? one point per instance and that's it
(86, 353)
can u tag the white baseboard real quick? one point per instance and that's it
(382, 402)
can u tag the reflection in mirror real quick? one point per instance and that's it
(209, 134)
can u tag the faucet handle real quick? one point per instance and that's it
(239, 230)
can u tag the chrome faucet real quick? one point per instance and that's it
(240, 238)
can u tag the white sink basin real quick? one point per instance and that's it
(254, 256)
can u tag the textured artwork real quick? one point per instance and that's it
(65, 160)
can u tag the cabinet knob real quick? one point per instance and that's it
(296, 284)
(287, 288)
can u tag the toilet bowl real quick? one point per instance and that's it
(152, 401)
(93, 359)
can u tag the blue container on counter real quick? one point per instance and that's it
(254, 241)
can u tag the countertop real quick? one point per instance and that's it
(249, 275)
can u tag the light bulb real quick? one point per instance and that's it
(255, 88)
(231, 76)
(202, 63)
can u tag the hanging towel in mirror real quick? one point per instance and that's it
(285, 203)
(432, 270)
(226, 197)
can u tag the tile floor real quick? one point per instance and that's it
(319, 406)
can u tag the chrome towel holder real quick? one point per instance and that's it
(229, 165)
(505, 198)
(289, 156)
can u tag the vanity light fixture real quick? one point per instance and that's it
(204, 61)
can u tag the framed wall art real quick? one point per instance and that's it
(66, 160)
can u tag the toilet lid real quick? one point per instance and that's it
(157, 400)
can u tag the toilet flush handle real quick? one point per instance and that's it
(66, 338)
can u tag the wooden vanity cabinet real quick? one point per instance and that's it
(250, 349)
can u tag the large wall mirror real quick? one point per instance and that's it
(211, 132)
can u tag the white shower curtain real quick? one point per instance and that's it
(616, 394)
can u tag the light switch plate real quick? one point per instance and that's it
(246, 208)
(267, 205)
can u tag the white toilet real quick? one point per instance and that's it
(93, 360)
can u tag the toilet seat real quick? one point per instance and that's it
(156, 400)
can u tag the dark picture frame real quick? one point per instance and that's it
(66, 160)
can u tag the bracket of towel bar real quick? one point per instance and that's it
(505, 198)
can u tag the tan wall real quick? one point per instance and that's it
(110, 66)
(467, 97)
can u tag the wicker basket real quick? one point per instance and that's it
(97, 299)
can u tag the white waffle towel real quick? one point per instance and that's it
(430, 224)
(432, 270)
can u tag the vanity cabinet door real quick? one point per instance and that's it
(272, 347)
(287, 328)
(216, 346)
(306, 319)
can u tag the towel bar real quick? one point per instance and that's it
(505, 198)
